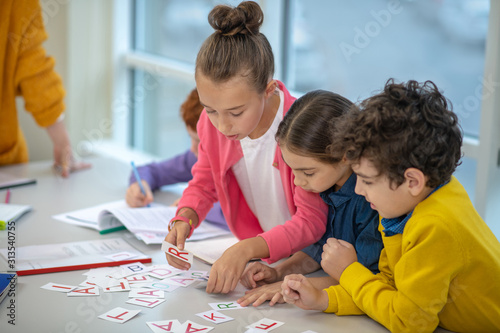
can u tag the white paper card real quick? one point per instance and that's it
(147, 293)
(163, 271)
(84, 291)
(265, 324)
(165, 326)
(58, 287)
(179, 281)
(172, 250)
(122, 286)
(139, 278)
(162, 285)
(147, 302)
(191, 326)
(199, 275)
(225, 306)
(134, 268)
(119, 315)
(214, 317)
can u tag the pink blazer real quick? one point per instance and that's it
(213, 180)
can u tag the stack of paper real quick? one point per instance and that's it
(49, 258)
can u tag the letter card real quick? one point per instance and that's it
(165, 326)
(175, 252)
(191, 327)
(58, 287)
(147, 302)
(265, 324)
(119, 315)
(214, 316)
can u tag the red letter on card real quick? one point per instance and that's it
(118, 317)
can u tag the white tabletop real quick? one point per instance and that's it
(39, 310)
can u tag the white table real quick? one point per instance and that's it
(39, 310)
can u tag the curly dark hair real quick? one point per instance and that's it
(407, 125)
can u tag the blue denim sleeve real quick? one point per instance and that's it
(368, 241)
(315, 250)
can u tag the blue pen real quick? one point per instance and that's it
(138, 179)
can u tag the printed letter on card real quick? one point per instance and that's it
(175, 252)
(119, 315)
(265, 324)
(214, 317)
(164, 326)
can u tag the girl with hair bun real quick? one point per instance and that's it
(239, 163)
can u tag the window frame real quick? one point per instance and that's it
(485, 149)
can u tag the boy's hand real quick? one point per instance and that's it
(297, 290)
(268, 292)
(337, 255)
(257, 274)
(134, 196)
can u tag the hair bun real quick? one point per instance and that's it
(244, 19)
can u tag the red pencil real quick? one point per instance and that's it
(7, 196)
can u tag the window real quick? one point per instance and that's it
(351, 48)
(171, 32)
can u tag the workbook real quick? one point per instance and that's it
(149, 224)
(11, 212)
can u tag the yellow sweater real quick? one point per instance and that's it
(25, 70)
(443, 270)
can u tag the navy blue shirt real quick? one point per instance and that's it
(350, 218)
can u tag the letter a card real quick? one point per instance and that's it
(175, 252)
(165, 326)
(147, 302)
(84, 291)
(190, 326)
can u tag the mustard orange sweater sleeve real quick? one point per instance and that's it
(26, 71)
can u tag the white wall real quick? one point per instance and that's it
(80, 38)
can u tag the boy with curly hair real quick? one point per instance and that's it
(440, 265)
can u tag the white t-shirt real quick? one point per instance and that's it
(259, 181)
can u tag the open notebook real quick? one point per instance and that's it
(148, 223)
